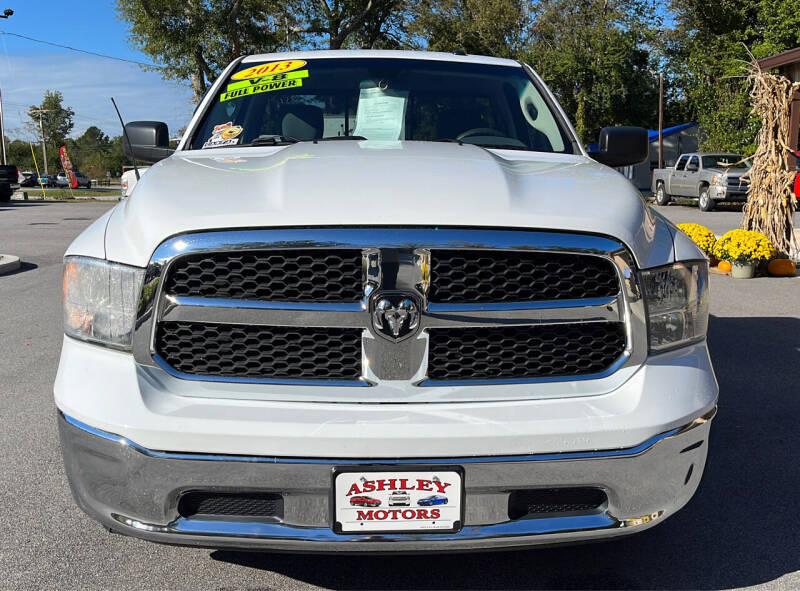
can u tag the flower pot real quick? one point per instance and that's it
(743, 270)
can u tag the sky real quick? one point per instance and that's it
(28, 69)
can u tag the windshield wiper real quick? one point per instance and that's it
(335, 138)
(505, 147)
(272, 140)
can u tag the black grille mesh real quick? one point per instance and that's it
(467, 276)
(244, 505)
(277, 275)
(260, 351)
(522, 503)
(524, 351)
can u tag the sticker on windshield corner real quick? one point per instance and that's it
(226, 134)
(263, 84)
(268, 69)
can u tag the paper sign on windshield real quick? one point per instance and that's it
(380, 114)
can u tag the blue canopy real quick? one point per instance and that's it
(653, 133)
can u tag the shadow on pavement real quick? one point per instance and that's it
(9, 205)
(23, 266)
(740, 529)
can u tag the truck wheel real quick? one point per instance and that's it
(706, 203)
(662, 198)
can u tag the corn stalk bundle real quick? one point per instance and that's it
(770, 194)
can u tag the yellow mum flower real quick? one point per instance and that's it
(743, 246)
(700, 235)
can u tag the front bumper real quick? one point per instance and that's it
(135, 491)
(725, 193)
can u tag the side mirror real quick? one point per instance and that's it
(622, 146)
(149, 141)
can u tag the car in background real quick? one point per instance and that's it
(399, 498)
(9, 181)
(48, 180)
(432, 500)
(27, 179)
(128, 180)
(83, 181)
(364, 501)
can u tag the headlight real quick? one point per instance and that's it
(100, 300)
(677, 304)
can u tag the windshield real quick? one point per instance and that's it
(276, 102)
(725, 161)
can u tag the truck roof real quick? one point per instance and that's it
(380, 53)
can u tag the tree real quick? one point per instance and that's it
(57, 123)
(337, 22)
(195, 39)
(484, 27)
(709, 50)
(594, 55)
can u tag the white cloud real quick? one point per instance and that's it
(87, 83)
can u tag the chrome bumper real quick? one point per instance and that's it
(134, 491)
(720, 193)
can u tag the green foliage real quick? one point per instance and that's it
(484, 27)
(708, 51)
(346, 23)
(594, 56)
(57, 122)
(196, 39)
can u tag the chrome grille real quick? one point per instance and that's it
(464, 276)
(299, 306)
(265, 352)
(554, 350)
(282, 275)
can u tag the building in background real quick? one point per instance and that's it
(677, 140)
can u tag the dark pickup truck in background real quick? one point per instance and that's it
(9, 181)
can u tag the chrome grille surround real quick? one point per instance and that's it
(392, 260)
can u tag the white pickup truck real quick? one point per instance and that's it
(366, 275)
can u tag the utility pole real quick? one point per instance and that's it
(40, 112)
(6, 13)
(660, 120)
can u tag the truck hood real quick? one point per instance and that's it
(371, 183)
(731, 174)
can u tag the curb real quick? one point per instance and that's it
(8, 263)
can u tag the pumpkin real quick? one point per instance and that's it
(781, 268)
(724, 266)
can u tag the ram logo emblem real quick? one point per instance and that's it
(395, 317)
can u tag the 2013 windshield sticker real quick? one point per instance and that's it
(266, 83)
(225, 134)
(268, 69)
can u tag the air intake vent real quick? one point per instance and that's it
(208, 504)
(538, 502)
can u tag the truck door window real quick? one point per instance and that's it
(693, 165)
(681, 163)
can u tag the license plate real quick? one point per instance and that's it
(398, 501)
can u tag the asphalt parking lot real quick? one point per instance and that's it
(740, 530)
